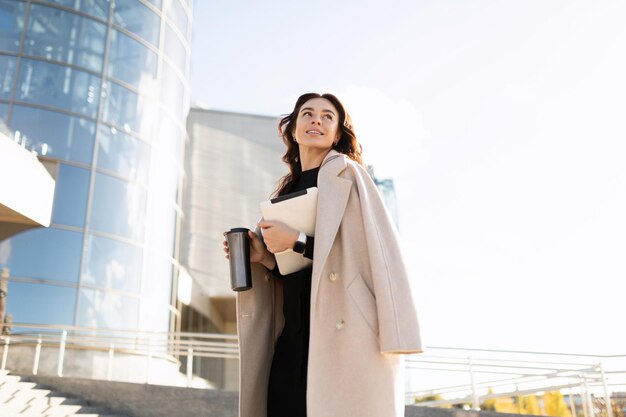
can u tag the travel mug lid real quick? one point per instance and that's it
(237, 229)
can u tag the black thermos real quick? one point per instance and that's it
(239, 256)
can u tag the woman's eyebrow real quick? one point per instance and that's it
(323, 111)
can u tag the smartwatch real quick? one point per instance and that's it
(300, 245)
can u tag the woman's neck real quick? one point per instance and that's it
(311, 157)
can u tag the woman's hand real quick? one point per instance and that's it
(278, 236)
(258, 253)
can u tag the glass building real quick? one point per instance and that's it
(101, 88)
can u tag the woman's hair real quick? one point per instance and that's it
(347, 143)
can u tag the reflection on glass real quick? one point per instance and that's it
(156, 3)
(118, 207)
(123, 154)
(70, 196)
(40, 304)
(128, 110)
(105, 309)
(112, 264)
(97, 8)
(155, 317)
(64, 36)
(11, 24)
(157, 280)
(58, 86)
(161, 224)
(164, 176)
(170, 138)
(175, 50)
(177, 14)
(132, 62)
(4, 108)
(66, 137)
(139, 19)
(173, 93)
(7, 71)
(43, 253)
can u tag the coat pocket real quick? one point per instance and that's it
(365, 302)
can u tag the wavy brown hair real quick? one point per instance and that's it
(347, 143)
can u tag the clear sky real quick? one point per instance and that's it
(503, 126)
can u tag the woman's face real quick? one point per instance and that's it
(317, 125)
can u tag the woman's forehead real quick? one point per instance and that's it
(320, 104)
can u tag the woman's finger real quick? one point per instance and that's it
(265, 224)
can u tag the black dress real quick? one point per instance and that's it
(286, 396)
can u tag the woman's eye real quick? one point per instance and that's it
(306, 113)
(328, 116)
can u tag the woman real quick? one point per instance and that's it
(325, 341)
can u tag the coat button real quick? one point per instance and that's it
(333, 276)
(267, 277)
(339, 325)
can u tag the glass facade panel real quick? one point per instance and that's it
(137, 18)
(97, 8)
(124, 154)
(105, 309)
(44, 253)
(58, 86)
(4, 108)
(7, 72)
(175, 50)
(170, 138)
(11, 24)
(41, 304)
(173, 93)
(154, 316)
(112, 264)
(66, 137)
(164, 177)
(156, 3)
(63, 36)
(132, 62)
(128, 110)
(177, 15)
(162, 226)
(157, 281)
(70, 196)
(118, 207)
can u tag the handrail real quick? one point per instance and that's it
(477, 370)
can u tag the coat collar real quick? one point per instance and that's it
(332, 197)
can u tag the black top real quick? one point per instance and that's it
(287, 383)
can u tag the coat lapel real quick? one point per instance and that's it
(332, 197)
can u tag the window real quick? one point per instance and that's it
(40, 304)
(58, 86)
(124, 154)
(112, 264)
(118, 207)
(70, 196)
(63, 36)
(11, 24)
(132, 62)
(44, 253)
(66, 137)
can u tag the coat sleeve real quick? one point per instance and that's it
(399, 330)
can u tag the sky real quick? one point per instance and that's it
(503, 127)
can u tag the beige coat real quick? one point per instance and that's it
(362, 312)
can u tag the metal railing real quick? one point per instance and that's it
(152, 345)
(454, 376)
(491, 374)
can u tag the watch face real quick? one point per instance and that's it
(298, 247)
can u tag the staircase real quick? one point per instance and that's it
(21, 398)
